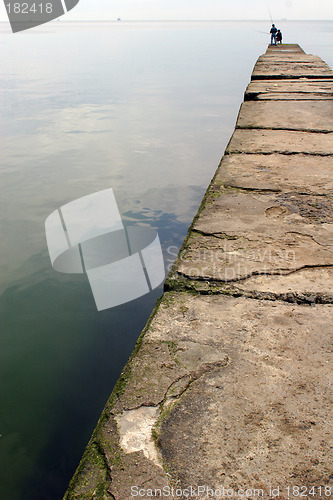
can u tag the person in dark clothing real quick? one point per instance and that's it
(279, 36)
(273, 34)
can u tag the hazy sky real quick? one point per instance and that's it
(198, 9)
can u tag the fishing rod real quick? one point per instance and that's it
(270, 15)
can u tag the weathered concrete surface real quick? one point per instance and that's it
(290, 56)
(261, 234)
(261, 419)
(300, 173)
(282, 65)
(280, 141)
(311, 116)
(229, 387)
(276, 51)
(290, 90)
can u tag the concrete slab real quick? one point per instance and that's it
(289, 90)
(287, 97)
(280, 70)
(313, 116)
(292, 62)
(242, 235)
(284, 48)
(253, 402)
(261, 420)
(305, 283)
(290, 173)
(280, 141)
(283, 57)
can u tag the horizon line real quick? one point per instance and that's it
(119, 20)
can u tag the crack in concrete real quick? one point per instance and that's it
(195, 375)
(218, 235)
(107, 466)
(215, 288)
(317, 266)
(109, 493)
(306, 193)
(155, 405)
(192, 375)
(311, 237)
(278, 91)
(102, 453)
(273, 272)
(286, 153)
(227, 237)
(289, 129)
(291, 77)
(282, 100)
(274, 95)
(179, 395)
(130, 424)
(209, 279)
(230, 185)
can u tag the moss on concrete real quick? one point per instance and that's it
(92, 476)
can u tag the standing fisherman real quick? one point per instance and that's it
(273, 34)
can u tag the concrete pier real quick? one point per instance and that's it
(228, 393)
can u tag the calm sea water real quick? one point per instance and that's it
(144, 108)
